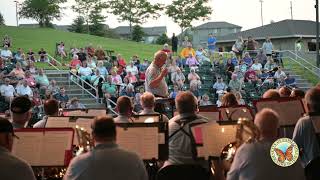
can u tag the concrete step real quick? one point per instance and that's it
(80, 96)
(94, 105)
(63, 78)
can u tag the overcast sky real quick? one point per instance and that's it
(245, 13)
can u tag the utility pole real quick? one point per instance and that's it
(17, 18)
(317, 31)
(261, 1)
(291, 10)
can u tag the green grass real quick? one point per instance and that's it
(37, 38)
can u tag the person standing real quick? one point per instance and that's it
(174, 42)
(211, 43)
(267, 47)
(155, 76)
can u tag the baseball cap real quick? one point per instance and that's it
(20, 105)
(6, 126)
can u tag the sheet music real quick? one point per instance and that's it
(235, 113)
(147, 119)
(90, 112)
(65, 122)
(43, 148)
(211, 116)
(215, 137)
(142, 140)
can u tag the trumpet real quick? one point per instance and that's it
(85, 140)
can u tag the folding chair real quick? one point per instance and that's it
(183, 172)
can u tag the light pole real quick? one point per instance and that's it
(317, 32)
(261, 1)
(291, 10)
(17, 18)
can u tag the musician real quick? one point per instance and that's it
(147, 101)
(271, 93)
(124, 108)
(284, 92)
(155, 76)
(21, 114)
(51, 108)
(182, 148)
(304, 132)
(253, 161)
(106, 160)
(11, 167)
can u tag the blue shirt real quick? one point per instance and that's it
(248, 61)
(212, 40)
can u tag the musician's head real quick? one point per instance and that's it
(284, 91)
(124, 106)
(229, 100)
(312, 99)
(271, 93)
(103, 129)
(160, 58)
(6, 134)
(298, 93)
(21, 110)
(147, 100)
(51, 107)
(267, 122)
(186, 102)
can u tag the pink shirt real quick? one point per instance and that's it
(192, 61)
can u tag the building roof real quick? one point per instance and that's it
(218, 24)
(150, 31)
(281, 29)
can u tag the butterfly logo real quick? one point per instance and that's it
(287, 155)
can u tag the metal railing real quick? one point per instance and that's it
(83, 82)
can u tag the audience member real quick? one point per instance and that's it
(211, 43)
(24, 90)
(185, 53)
(229, 100)
(205, 100)
(43, 56)
(17, 72)
(238, 46)
(42, 79)
(53, 87)
(267, 47)
(62, 96)
(5, 53)
(7, 91)
(85, 72)
(75, 104)
(178, 78)
(132, 68)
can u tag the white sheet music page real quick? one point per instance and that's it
(211, 116)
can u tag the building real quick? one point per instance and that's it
(200, 33)
(284, 35)
(150, 33)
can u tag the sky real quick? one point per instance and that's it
(245, 13)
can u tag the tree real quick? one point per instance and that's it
(85, 8)
(134, 11)
(137, 33)
(163, 39)
(78, 25)
(1, 20)
(43, 11)
(96, 22)
(183, 12)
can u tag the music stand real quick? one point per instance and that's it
(210, 112)
(234, 113)
(147, 118)
(85, 112)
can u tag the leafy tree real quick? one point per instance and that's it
(96, 22)
(1, 20)
(183, 12)
(163, 39)
(78, 25)
(137, 33)
(109, 33)
(134, 11)
(43, 11)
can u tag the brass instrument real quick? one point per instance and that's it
(85, 141)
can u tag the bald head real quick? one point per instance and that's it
(313, 100)
(147, 100)
(267, 122)
(271, 93)
(160, 58)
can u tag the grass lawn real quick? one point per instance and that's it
(37, 38)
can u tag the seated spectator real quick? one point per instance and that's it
(121, 61)
(75, 104)
(261, 57)
(53, 87)
(251, 76)
(166, 49)
(101, 55)
(272, 94)
(191, 61)
(17, 72)
(256, 66)
(4, 70)
(109, 89)
(90, 50)
(11, 167)
(142, 76)
(144, 65)
(205, 100)
(20, 57)
(91, 63)
(201, 55)
(279, 75)
(31, 67)
(147, 101)
(132, 78)
(229, 68)
(252, 160)
(284, 92)
(6, 41)
(229, 100)
(173, 67)
(178, 78)
(115, 78)
(298, 93)
(243, 66)
(43, 56)
(51, 108)
(42, 79)
(82, 55)
(194, 89)
(7, 91)
(124, 108)
(61, 50)
(239, 98)
(132, 68)
(136, 61)
(30, 79)
(289, 80)
(238, 73)
(219, 101)
(175, 92)
(270, 65)
(24, 90)
(235, 84)
(96, 77)
(105, 151)
(75, 63)
(181, 149)
(74, 51)
(85, 72)
(127, 89)
(247, 59)
(136, 102)
(219, 86)
(234, 60)
(103, 70)
(5, 53)
(185, 53)
(62, 96)
(193, 76)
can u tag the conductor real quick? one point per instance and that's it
(155, 76)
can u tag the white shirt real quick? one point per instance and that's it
(7, 90)
(133, 70)
(152, 73)
(85, 71)
(280, 74)
(256, 67)
(22, 90)
(6, 53)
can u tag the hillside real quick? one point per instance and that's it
(36, 38)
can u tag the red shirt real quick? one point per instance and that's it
(250, 75)
(168, 51)
(122, 62)
(74, 63)
(142, 76)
